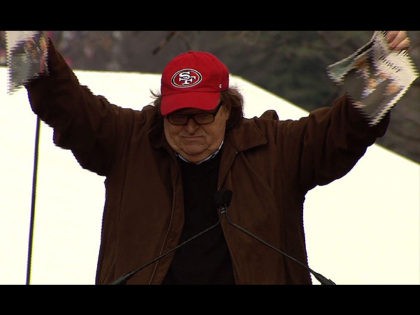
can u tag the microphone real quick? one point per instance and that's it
(223, 199)
(124, 278)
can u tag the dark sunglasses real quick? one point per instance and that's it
(201, 118)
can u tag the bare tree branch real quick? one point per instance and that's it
(164, 42)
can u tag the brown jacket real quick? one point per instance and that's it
(268, 164)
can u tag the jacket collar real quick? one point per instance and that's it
(246, 136)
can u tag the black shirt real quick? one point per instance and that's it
(206, 259)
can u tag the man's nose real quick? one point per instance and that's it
(191, 125)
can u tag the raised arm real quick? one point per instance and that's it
(83, 122)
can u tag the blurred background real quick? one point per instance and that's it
(290, 64)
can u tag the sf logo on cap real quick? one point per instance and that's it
(186, 78)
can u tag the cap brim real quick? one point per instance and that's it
(199, 100)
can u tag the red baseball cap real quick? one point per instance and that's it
(193, 79)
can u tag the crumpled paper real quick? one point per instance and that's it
(26, 55)
(375, 76)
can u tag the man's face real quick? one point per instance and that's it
(192, 140)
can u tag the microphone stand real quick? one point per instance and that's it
(222, 200)
(224, 197)
(323, 280)
(34, 181)
(124, 278)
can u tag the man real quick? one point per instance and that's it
(195, 192)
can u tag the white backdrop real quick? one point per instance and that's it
(361, 229)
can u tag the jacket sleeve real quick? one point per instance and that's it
(85, 123)
(331, 141)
